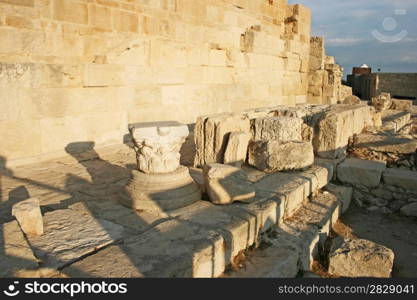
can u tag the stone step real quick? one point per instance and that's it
(296, 243)
(394, 120)
(200, 240)
(291, 189)
(310, 226)
(401, 178)
(397, 144)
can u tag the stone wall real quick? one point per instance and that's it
(82, 70)
(402, 85)
(397, 84)
(325, 76)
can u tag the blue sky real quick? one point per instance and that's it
(357, 32)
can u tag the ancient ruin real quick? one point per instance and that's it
(188, 138)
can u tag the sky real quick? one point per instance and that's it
(379, 33)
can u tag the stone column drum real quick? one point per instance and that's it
(160, 183)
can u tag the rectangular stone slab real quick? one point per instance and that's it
(173, 248)
(69, 235)
(385, 143)
(15, 252)
(402, 178)
(361, 172)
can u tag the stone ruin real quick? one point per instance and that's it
(274, 152)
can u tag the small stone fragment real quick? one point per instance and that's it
(226, 184)
(28, 214)
(237, 148)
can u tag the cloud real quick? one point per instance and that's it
(348, 26)
(349, 41)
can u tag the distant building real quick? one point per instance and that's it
(366, 84)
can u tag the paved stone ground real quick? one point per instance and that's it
(58, 184)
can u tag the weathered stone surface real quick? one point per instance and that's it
(305, 238)
(351, 100)
(330, 164)
(402, 178)
(273, 156)
(323, 211)
(361, 172)
(410, 210)
(394, 120)
(158, 145)
(273, 262)
(71, 234)
(160, 192)
(333, 134)
(226, 184)
(28, 214)
(282, 129)
(405, 105)
(385, 143)
(343, 193)
(382, 102)
(294, 188)
(15, 254)
(361, 258)
(237, 148)
(237, 227)
(173, 248)
(212, 133)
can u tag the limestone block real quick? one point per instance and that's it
(160, 192)
(237, 148)
(333, 134)
(376, 118)
(323, 211)
(158, 145)
(237, 227)
(394, 120)
(382, 102)
(70, 11)
(404, 105)
(405, 179)
(29, 3)
(352, 100)
(361, 172)
(273, 262)
(28, 214)
(226, 184)
(343, 193)
(99, 75)
(273, 156)
(282, 129)
(16, 253)
(385, 143)
(125, 21)
(70, 235)
(212, 135)
(361, 258)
